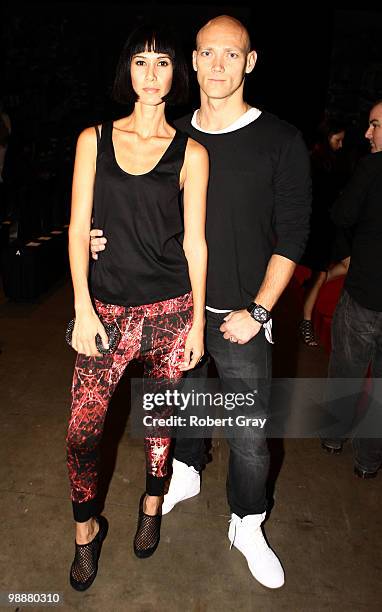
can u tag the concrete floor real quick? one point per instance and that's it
(325, 524)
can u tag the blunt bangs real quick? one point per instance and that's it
(159, 40)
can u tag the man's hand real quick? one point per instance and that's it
(240, 327)
(97, 242)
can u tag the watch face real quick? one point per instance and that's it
(260, 314)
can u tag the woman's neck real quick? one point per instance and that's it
(146, 121)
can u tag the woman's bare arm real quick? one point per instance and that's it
(87, 322)
(196, 170)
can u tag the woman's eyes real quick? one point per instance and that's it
(160, 63)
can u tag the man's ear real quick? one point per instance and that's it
(251, 61)
(194, 64)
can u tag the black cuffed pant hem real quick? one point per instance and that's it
(84, 511)
(241, 514)
(155, 484)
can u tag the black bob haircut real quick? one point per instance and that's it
(159, 39)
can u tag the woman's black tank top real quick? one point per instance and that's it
(142, 219)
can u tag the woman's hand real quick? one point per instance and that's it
(194, 348)
(86, 327)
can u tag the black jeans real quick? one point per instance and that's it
(240, 368)
(356, 346)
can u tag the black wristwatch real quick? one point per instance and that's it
(259, 313)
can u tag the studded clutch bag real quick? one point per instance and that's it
(112, 332)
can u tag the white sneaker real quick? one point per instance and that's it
(247, 536)
(185, 483)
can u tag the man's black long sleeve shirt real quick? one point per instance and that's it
(258, 204)
(360, 209)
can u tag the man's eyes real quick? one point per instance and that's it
(230, 54)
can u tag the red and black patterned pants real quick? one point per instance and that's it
(155, 333)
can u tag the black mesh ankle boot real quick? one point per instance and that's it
(148, 532)
(85, 565)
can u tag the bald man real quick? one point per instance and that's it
(257, 224)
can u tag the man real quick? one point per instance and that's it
(258, 209)
(357, 321)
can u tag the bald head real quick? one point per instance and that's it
(225, 25)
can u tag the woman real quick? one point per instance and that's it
(127, 176)
(327, 180)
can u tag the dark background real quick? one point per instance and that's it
(58, 61)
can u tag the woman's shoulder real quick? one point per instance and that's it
(89, 134)
(195, 149)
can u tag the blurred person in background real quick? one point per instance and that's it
(324, 245)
